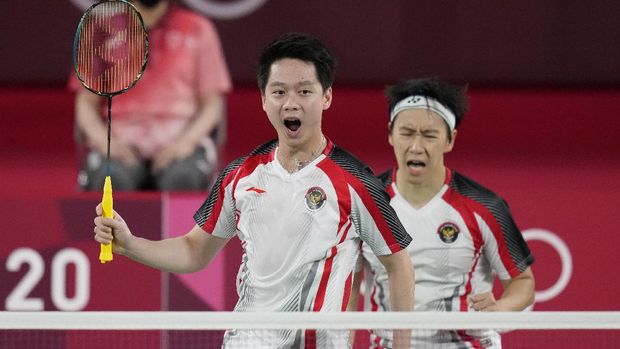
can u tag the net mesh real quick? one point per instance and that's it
(205, 339)
(188, 330)
(110, 47)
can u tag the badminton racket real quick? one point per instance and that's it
(110, 51)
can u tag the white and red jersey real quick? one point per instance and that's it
(464, 236)
(300, 234)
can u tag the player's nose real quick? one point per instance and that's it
(291, 103)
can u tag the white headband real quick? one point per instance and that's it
(424, 102)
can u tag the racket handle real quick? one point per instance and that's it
(107, 204)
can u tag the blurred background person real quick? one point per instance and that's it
(166, 129)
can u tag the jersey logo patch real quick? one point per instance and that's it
(258, 190)
(448, 232)
(315, 198)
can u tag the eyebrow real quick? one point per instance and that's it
(415, 129)
(299, 84)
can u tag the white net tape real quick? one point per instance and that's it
(188, 330)
(350, 320)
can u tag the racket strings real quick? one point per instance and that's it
(111, 48)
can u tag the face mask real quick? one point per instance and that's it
(149, 3)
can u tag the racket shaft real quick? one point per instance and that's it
(105, 254)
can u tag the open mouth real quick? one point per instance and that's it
(292, 124)
(416, 164)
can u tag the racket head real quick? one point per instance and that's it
(110, 48)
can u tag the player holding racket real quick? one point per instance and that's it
(299, 204)
(463, 233)
(162, 133)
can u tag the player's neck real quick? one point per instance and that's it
(294, 158)
(418, 194)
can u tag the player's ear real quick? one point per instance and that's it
(450, 143)
(389, 127)
(327, 98)
(262, 98)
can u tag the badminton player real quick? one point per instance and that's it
(463, 233)
(300, 205)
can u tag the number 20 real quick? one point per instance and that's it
(18, 298)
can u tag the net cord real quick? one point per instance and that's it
(52, 320)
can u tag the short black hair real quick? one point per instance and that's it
(300, 46)
(453, 97)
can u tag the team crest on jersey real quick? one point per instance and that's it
(448, 232)
(315, 198)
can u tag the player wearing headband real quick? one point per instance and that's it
(301, 206)
(463, 234)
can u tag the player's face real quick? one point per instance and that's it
(420, 140)
(294, 101)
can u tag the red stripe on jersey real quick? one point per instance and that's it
(374, 211)
(390, 187)
(327, 269)
(374, 306)
(475, 343)
(497, 231)
(448, 176)
(347, 292)
(333, 171)
(328, 147)
(341, 188)
(460, 204)
(373, 302)
(245, 169)
(345, 232)
(249, 165)
(390, 190)
(376, 342)
(310, 339)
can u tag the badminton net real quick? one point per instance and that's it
(188, 330)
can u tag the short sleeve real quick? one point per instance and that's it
(217, 214)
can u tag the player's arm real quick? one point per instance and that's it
(518, 294)
(354, 298)
(183, 254)
(210, 114)
(518, 286)
(401, 278)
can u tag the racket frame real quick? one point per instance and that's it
(76, 42)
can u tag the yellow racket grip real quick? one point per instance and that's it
(105, 255)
